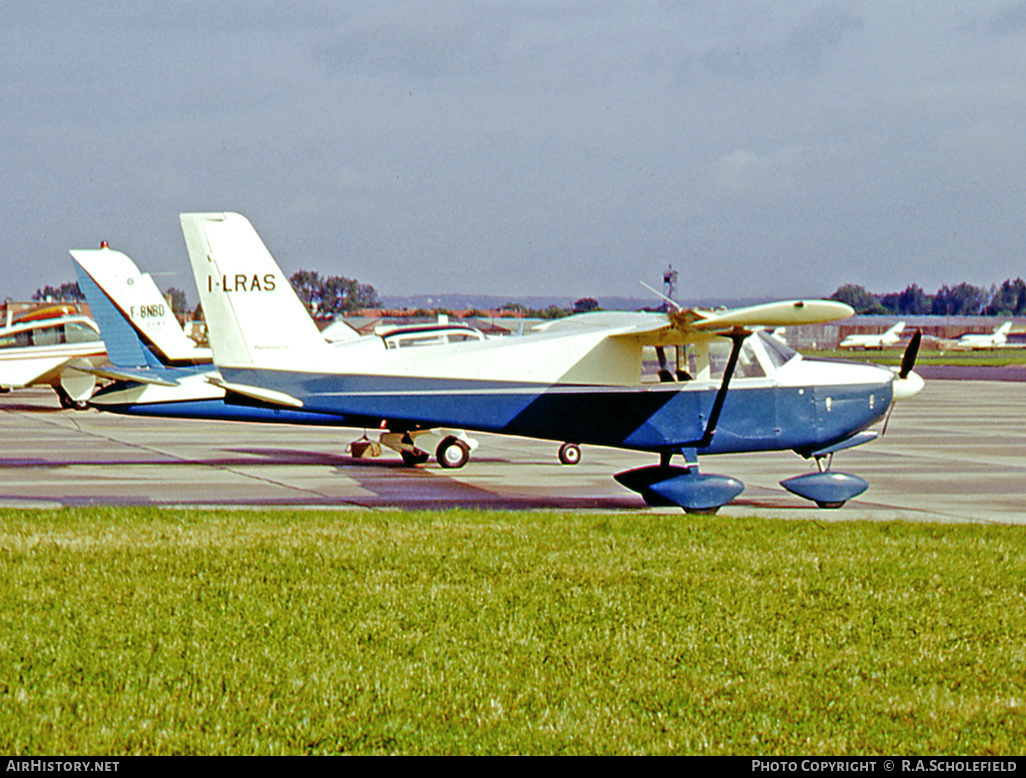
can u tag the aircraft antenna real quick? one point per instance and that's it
(661, 296)
(670, 282)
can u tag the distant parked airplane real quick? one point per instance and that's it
(43, 347)
(988, 340)
(888, 338)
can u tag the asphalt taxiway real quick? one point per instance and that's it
(956, 452)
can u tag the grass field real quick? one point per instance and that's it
(148, 631)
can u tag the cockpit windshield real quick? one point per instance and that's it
(778, 352)
(747, 362)
(761, 356)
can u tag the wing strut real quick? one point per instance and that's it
(737, 337)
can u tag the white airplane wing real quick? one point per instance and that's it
(692, 323)
(696, 324)
(29, 370)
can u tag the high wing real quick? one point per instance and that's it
(695, 324)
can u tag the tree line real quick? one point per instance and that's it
(963, 299)
(70, 293)
(583, 305)
(323, 295)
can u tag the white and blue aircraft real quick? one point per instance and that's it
(878, 341)
(579, 379)
(156, 370)
(995, 339)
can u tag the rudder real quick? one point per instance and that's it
(254, 318)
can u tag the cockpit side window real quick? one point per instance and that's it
(48, 336)
(77, 332)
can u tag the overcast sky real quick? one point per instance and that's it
(524, 148)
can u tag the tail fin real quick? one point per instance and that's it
(135, 320)
(1003, 329)
(897, 329)
(254, 319)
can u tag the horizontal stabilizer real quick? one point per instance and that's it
(141, 376)
(257, 393)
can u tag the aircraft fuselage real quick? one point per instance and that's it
(758, 415)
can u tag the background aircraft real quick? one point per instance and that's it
(579, 379)
(986, 340)
(44, 347)
(888, 338)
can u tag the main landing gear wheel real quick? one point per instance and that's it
(569, 453)
(68, 402)
(415, 457)
(452, 453)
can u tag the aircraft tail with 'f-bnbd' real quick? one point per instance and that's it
(135, 320)
(254, 319)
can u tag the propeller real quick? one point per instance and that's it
(908, 359)
(906, 383)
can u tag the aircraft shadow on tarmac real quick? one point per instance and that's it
(22, 407)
